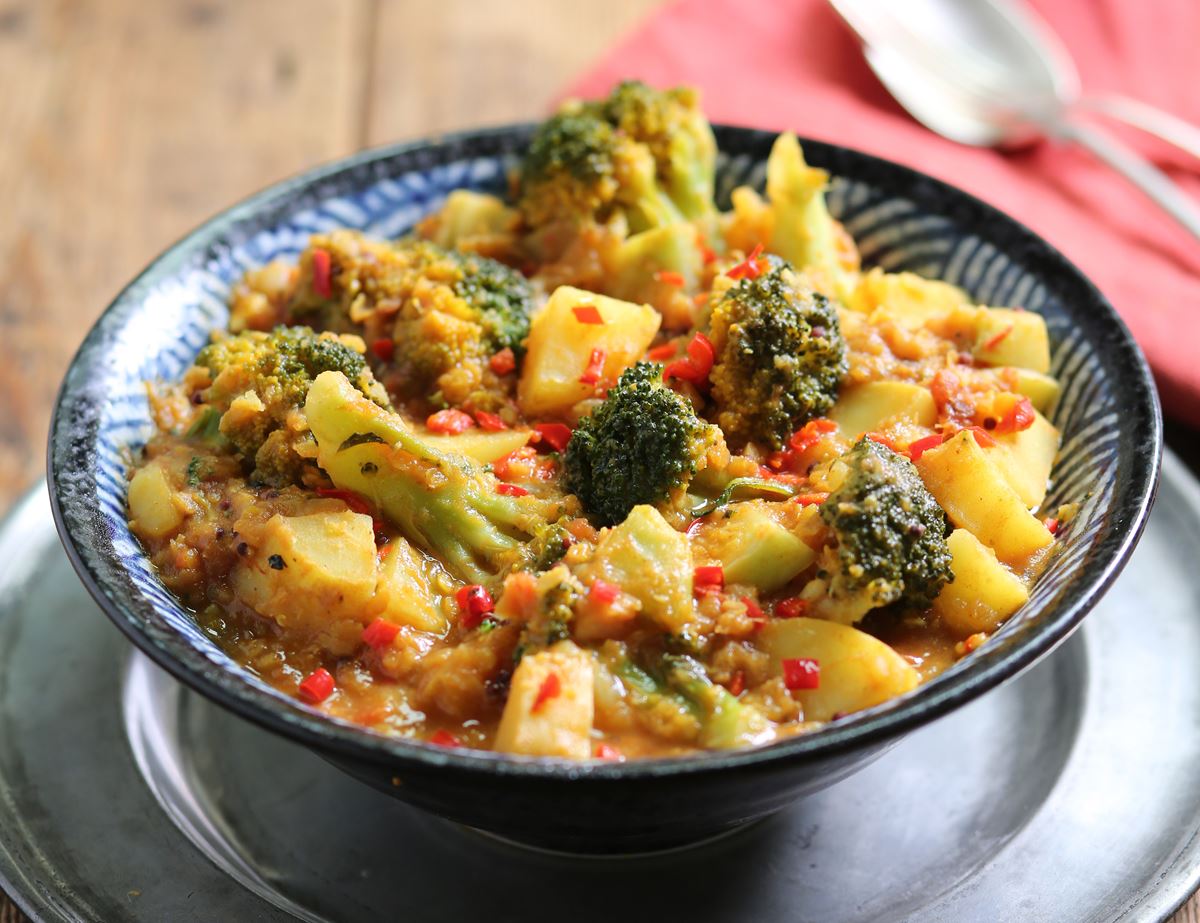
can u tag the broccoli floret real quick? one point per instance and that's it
(780, 356)
(671, 124)
(891, 534)
(446, 504)
(643, 444)
(445, 312)
(258, 385)
(580, 170)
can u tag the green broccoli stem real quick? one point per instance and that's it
(444, 503)
(759, 485)
(727, 722)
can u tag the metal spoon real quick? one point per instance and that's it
(988, 73)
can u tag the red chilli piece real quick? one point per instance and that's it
(511, 490)
(810, 434)
(595, 367)
(791, 608)
(609, 752)
(753, 610)
(503, 362)
(550, 688)
(317, 686)
(923, 445)
(587, 314)
(384, 348)
(982, 436)
(993, 341)
(662, 351)
(555, 435)
(694, 527)
(489, 421)
(737, 683)
(708, 578)
(474, 602)
(669, 277)
(1018, 418)
(322, 273)
(699, 362)
(443, 738)
(801, 673)
(1051, 524)
(813, 499)
(449, 421)
(884, 440)
(356, 502)
(750, 268)
(603, 593)
(380, 633)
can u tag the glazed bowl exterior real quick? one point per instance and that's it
(903, 220)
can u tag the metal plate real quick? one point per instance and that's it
(1071, 793)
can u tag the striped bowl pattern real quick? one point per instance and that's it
(901, 221)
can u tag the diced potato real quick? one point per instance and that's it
(153, 509)
(871, 407)
(651, 562)
(976, 496)
(314, 575)
(560, 347)
(468, 215)
(905, 297)
(1025, 459)
(857, 670)
(406, 592)
(1042, 390)
(983, 593)
(755, 547)
(1005, 336)
(537, 724)
(482, 445)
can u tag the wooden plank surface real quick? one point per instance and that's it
(124, 123)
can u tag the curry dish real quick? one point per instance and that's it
(598, 471)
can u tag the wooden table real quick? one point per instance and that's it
(123, 123)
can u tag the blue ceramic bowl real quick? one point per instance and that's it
(1108, 413)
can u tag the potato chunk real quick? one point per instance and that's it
(1025, 459)
(154, 510)
(314, 575)
(976, 496)
(871, 407)
(561, 343)
(406, 593)
(983, 593)
(550, 705)
(1005, 336)
(906, 298)
(857, 670)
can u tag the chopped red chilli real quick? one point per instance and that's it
(753, 610)
(708, 578)
(489, 421)
(993, 341)
(1051, 524)
(511, 490)
(551, 688)
(503, 362)
(699, 362)
(322, 273)
(443, 738)
(752, 267)
(801, 673)
(380, 633)
(810, 434)
(791, 608)
(595, 367)
(449, 421)
(667, 277)
(812, 499)
(474, 602)
(317, 686)
(663, 351)
(923, 445)
(384, 348)
(587, 314)
(603, 592)
(555, 435)
(737, 683)
(1018, 418)
(609, 752)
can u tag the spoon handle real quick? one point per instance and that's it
(1150, 119)
(1139, 171)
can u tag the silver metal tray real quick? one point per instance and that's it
(1072, 793)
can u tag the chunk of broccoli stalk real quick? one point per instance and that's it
(446, 504)
(780, 356)
(258, 383)
(643, 444)
(891, 536)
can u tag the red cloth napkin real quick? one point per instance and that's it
(792, 64)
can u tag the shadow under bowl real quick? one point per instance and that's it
(902, 220)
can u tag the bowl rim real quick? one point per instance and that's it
(990, 666)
